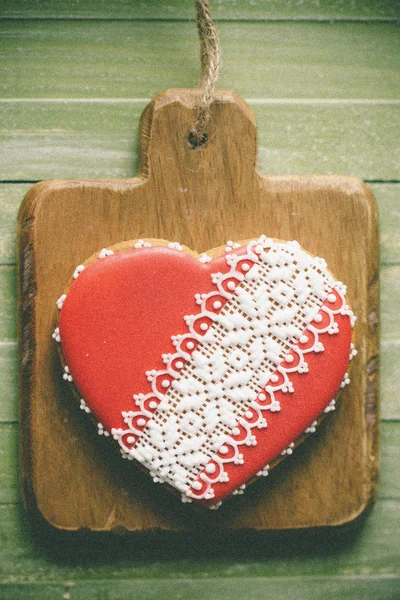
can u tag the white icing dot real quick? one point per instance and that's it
(217, 304)
(105, 253)
(175, 245)
(130, 439)
(249, 414)
(179, 363)
(153, 404)
(289, 358)
(258, 249)
(263, 396)
(235, 431)
(303, 339)
(274, 378)
(196, 485)
(245, 267)
(318, 318)
(204, 258)
(211, 468)
(60, 301)
(204, 326)
(224, 450)
(231, 285)
(165, 383)
(141, 422)
(78, 270)
(190, 345)
(331, 298)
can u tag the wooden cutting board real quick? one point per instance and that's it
(201, 198)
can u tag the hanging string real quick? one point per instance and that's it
(210, 55)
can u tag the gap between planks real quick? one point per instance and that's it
(369, 21)
(251, 101)
(33, 181)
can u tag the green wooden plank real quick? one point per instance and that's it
(9, 486)
(372, 550)
(390, 377)
(389, 486)
(390, 303)
(41, 140)
(388, 199)
(8, 382)
(387, 196)
(336, 139)
(280, 588)
(112, 59)
(8, 329)
(183, 9)
(10, 199)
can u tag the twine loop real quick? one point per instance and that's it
(210, 56)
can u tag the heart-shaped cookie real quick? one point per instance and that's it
(206, 369)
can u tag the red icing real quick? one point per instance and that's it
(117, 322)
(118, 319)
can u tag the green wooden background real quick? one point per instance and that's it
(323, 80)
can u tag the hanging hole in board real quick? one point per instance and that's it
(196, 141)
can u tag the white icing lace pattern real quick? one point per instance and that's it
(220, 379)
(267, 401)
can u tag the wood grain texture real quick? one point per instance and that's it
(199, 198)
(11, 196)
(113, 59)
(182, 9)
(8, 289)
(387, 197)
(8, 382)
(390, 379)
(390, 291)
(92, 139)
(9, 491)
